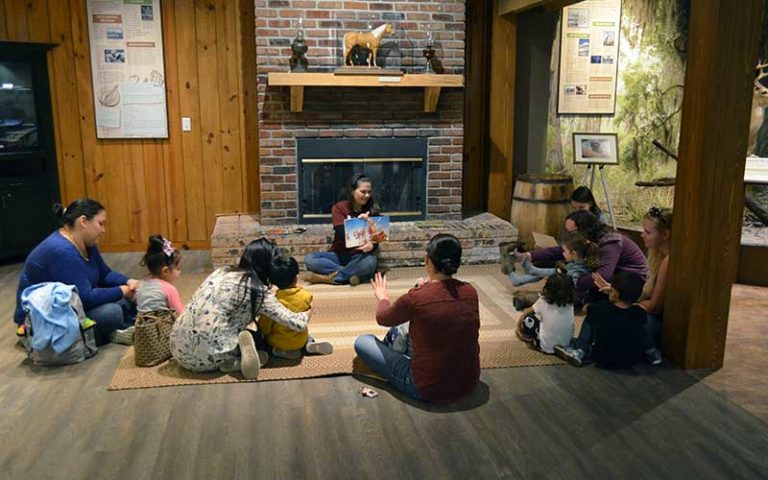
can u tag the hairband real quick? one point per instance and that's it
(655, 212)
(168, 247)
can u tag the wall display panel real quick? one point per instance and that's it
(127, 69)
(589, 57)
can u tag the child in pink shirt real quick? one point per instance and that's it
(157, 292)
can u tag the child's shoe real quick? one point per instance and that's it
(250, 363)
(286, 354)
(653, 355)
(122, 336)
(319, 348)
(574, 356)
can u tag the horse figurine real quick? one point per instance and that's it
(370, 40)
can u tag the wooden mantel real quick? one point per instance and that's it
(297, 81)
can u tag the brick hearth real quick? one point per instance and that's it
(480, 237)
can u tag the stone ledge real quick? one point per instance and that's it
(480, 237)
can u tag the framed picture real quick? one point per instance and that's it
(595, 148)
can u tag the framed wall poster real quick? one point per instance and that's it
(127, 68)
(595, 148)
(589, 58)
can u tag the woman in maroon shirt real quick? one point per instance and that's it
(341, 265)
(444, 324)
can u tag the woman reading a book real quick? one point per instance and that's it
(341, 265)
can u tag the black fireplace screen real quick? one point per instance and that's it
(396, 166)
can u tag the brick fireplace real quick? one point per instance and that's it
(353, 115)
(349, 112)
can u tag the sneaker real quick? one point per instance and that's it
(230, 366)
(319, 348)
(122, 336)
(354, 280)
(263, 357)
(523, 299)
(286, 354)
(574, 356)
(653, 355)
(250, 363)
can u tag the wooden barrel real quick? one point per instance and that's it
(540, 204)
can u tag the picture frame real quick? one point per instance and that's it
(595, 148)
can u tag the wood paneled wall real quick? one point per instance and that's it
(174, 186)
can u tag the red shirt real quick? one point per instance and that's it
(444, 329)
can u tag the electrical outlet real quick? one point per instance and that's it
(186, 124)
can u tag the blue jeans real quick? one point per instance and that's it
(532, 274)
(388, 363)
(363, 265)
(112, 316)
(653, 328)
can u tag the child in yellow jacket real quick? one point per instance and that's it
(284, 342)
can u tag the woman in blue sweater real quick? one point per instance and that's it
(70, 256)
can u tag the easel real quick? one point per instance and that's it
(591, 171)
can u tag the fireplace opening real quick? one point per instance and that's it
(397, 167)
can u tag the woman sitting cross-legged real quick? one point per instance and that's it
(211, 334)
(444, 325)
(341, 265)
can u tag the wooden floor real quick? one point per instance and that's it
(538, 422)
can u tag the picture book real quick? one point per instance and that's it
(543, 241)
(357, 231)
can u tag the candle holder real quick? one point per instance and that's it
(299, 47)
(429, 53)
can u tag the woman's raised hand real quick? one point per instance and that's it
(601, 283)
(379, 284)
(364, 216)
(132, 283)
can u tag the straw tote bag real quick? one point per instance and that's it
(152, 337)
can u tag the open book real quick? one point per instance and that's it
(357, 231)
(541, 240)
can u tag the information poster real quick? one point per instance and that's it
(589, 57)
(126, 40)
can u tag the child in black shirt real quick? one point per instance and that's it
(613, 333)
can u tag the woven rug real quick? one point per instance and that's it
(341, 314)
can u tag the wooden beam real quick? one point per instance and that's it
(297, 98)
(516, 6)
(477, 70)
(709, 195)
(431, 96)
(501, 114)
(432, 84)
